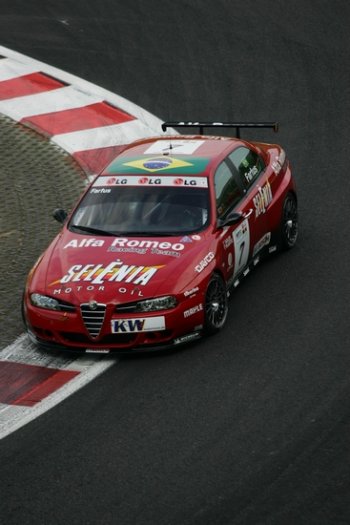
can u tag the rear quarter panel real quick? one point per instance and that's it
(281, 182)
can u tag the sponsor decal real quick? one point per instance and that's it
(204, 262)
(79, 288)
(193, 310)
(186, 338)
(144, 243)
(180, 181)
(264, 241)
(250, 174)
(76, 288)
(115, 271)
(139, 251)
(196, 237)
(180, 147)
(190, 293)
(186, 239)
(97, 350)
(167, 253)
(276, 166)
(167, 181)
(241, 231)
(228, 242)
(262, 199)
(278, 162)
(146, 324)
(90, 242)
(100, 190)
(124, 245)
(114, 181)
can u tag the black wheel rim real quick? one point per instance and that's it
(291, 221)
(216, 304)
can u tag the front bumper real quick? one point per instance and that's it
(54, 330)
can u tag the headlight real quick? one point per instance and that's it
(42, 301)
(159, 303)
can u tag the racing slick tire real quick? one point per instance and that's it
(288, 233)
(216, 305)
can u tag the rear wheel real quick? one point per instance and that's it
(216, 304)
(289, 223)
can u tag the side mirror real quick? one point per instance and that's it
(232, 218)
(60, 215)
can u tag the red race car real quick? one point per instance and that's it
(153, 249)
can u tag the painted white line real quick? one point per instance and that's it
(25, 352)
(48, 102)
(10, 69)
(14, 417)
(102, 137)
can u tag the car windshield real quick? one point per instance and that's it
(142, 210)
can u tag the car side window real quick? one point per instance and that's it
(248, 164)
(228, 190)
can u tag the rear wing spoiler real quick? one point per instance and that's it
(236, 125)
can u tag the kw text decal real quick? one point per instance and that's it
(137, 325)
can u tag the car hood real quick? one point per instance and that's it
(79, 268)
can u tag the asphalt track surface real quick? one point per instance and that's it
(251, 426)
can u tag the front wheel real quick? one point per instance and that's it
(216, 304)
(289, 222)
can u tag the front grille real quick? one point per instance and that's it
(93, 316)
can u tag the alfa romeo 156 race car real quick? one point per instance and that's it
(150, 254)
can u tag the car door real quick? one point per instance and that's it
(257, 190)
(233, 241)
(237, 189)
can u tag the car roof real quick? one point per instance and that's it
(179, 154)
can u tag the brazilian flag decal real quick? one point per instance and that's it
(156, 165)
